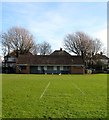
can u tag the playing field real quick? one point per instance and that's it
(54, 96)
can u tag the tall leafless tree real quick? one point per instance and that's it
(82, 44)
(96, 46)
(17, 39)
(44, 48)
(5, 44)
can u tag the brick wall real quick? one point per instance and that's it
(23, 71)
(77, 70)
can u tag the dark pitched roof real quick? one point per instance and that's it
(53, 59)
(49, 60)
(60, 53)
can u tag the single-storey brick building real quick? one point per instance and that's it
(58, 62)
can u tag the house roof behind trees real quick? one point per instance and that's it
(58, 57)
(100, 56)
(60, 53)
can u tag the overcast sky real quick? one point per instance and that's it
(51, 21)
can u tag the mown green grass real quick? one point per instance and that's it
(67, 96)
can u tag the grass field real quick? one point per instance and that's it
(54, 96)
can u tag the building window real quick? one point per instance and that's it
(66, 68)
(49, 67)
(11, 59)
(55, 67)
(42, 67)
(39, 68)
(23, 67)
(61, 67)
(34, 67)
(45, 67)
(58, 67)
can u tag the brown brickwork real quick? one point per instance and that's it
(77, 70)
(23, 71)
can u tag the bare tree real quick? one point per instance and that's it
(5, 44)
(17, 39)
(34, 49)
(96, 46)
(82, 44)
(44, 48)
(78, 43)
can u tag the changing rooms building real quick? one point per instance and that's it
(57, 62)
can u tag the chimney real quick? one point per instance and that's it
(101, 53)
(60, 49)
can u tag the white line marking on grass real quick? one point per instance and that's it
(78, 88)
(44, 90)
